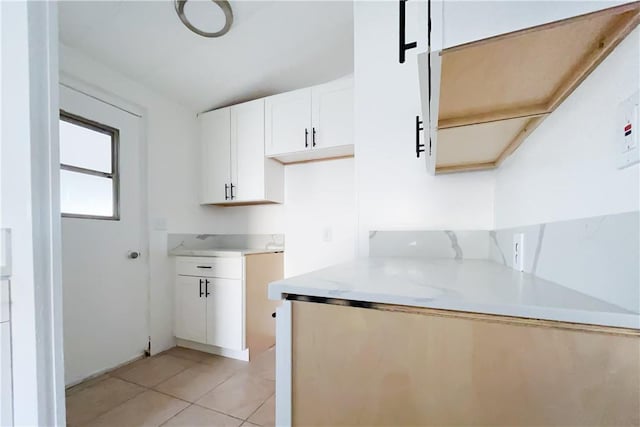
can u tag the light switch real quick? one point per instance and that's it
(627, 131)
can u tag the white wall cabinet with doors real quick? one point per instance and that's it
(234, 168)
(221, 303)
(310, 124)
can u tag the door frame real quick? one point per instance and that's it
(36, 323)
(42, 390)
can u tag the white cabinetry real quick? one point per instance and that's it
(332, 114)
(221, 303)
(224, 313)
(210, 302)
(234, 167)
(288, 122)
(309, 124)
(191, 309)
(215, 137)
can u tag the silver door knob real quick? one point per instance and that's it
(133, 254)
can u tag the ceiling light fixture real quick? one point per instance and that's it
(226, 9)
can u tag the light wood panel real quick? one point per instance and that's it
(261, 269)
(524, 74)
(373, 367)
(471, 145)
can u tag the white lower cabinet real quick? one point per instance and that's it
(209, 310)
(191, 309)
(224, 313)
(221, 303)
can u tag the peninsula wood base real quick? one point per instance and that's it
(370, 367)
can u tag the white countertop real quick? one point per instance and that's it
(221, 252)
(478, 286)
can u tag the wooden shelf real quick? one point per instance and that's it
(494, 92)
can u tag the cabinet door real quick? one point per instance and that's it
(191, 309)
(287, 119)
(215, 137)
(332, 114)
(247, 151)
(225, 320)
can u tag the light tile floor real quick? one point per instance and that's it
(180, 387)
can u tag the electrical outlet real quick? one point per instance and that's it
(518, 252)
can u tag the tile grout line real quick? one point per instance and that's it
(175, 415)
(119, 404)
(145, 388)
(258, 408)
(219, 412)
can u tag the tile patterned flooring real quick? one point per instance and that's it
(180, 387)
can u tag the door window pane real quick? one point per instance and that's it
(84, 147)
(89, 181)
(83, 194)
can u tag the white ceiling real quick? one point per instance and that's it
(272, 47)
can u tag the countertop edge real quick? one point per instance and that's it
(279, 291)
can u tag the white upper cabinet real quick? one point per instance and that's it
(234, 168)
(332, 114)
(468, 21)
(215, 136)
(310, 124)
(288, 122)
(247, 150)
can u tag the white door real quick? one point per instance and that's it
(332, 114)
(247, 151)
(215, 137)
(105, 289)
(225, 320)
(191, 309)
(288, 122)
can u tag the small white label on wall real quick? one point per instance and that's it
(627, 131)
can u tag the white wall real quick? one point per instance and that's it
(567, 168)
(393, 186)
(30, 209)
(322, 190)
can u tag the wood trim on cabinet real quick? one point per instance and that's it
(603, 47)
(481, 81)
(298, 162)
(260, 270)
(494, 116)
(526, 321)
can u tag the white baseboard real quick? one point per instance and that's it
(103, 371)
(220, 351)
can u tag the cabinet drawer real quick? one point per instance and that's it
(226, 268)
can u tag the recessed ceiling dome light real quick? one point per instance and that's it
(202, 16)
